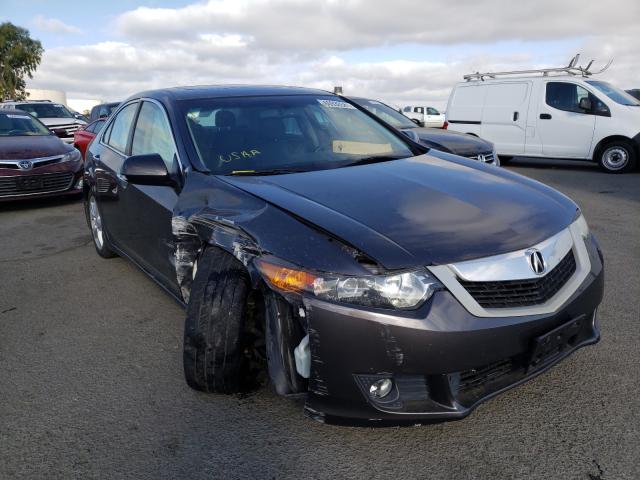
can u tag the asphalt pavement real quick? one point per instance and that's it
(91, 382)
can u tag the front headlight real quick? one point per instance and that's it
(496, 159)
(405, 290)
(72, 156)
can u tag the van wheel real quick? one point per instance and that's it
(213, 355)
(618, 156)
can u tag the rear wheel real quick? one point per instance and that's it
(100, 241)
(213, 356)
(618, 156)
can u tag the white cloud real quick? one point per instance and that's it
(53, 25)
(313, 43)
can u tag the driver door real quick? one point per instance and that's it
(148, 209)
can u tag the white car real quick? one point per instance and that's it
(425, 116)
(55, 116)
(551, 113)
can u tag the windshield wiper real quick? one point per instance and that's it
(272, 171)
(374, 159)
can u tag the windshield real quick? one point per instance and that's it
(386, 113)
(245, 135)
(614, 93)
(46, 110)
(20, 124)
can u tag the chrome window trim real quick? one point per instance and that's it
(111, 118)
(490, 269)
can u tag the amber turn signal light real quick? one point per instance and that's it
(284, 278)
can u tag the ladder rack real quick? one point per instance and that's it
(571, 69)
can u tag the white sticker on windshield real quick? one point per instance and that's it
(18, 116)
(335, 104)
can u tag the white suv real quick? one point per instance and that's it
(55, 116)
(553, 115)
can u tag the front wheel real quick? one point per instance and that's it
(213, 355)
(617, 157)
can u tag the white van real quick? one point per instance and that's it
(552, 113)
(424, 116)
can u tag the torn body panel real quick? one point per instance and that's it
(210, 212)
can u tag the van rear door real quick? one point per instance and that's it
(504, 116)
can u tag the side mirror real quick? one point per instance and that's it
(148, 169)
(585, 104)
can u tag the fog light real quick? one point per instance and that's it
(79, 184)
(380, 388)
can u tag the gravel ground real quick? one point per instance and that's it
(91, 381)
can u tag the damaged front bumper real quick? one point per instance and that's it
(443, 361)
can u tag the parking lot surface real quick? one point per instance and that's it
(91, 382)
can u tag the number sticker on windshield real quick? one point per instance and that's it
(335, 104)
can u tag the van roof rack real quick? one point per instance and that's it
(572, 69)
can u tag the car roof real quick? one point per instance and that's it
(221, 91)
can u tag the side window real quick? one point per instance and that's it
(406, 109)
(565, 96)
(153, 134)
(418, 110)
(119, 130)
(98, 126)
(432, 111)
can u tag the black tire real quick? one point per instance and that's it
(504, 159)
(100, 238)
(618, 156)
(213, 355)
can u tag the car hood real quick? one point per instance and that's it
(453, 142)
(27, 147)
(426, 210)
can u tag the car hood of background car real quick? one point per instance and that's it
(31, 146)
(454, 142)
(426, 210)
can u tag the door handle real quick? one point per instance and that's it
(515, 116)
(545, 116)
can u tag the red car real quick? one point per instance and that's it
(33, 161)
(83, 136)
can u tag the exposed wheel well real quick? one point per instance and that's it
(607, 140)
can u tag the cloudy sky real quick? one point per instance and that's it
(399, 51)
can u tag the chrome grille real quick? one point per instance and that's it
(522, 293)
(484, 157)
(36, 162)
(32, 184)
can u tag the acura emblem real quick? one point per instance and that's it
(25, 164)
(536, 261)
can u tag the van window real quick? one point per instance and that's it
(565, 96)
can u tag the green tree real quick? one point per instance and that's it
(19, 58)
